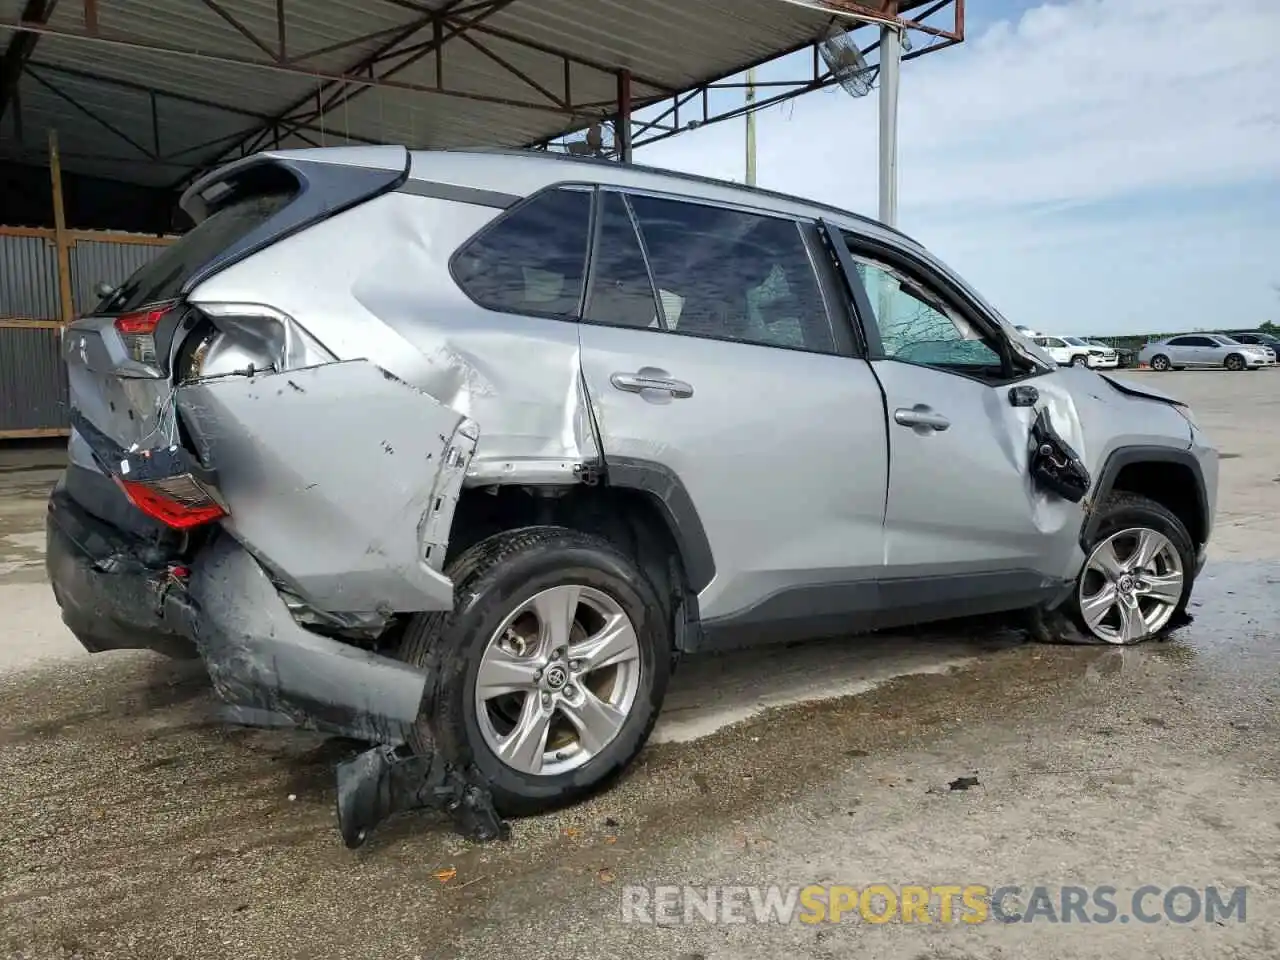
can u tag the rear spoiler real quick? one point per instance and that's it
(328, 181)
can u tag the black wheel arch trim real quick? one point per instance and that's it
(1123, 457)
(673, 498)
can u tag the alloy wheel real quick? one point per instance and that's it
(1160, 363)
(1131, 585)
(557, 680)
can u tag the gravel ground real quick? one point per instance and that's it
(135, 827)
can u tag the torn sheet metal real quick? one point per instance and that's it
(341, 478)
(1055, 466)
(260, 659)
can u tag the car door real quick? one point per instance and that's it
(965, 528)
(1193, 351)
(710, 357)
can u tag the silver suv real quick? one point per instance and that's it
(454, 453)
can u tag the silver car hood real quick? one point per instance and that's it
(1150, 393)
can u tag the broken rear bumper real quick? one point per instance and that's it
(273, 670)
(268, 669)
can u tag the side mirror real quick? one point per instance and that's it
(103, 289)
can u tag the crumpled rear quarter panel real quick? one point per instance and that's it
(339, 478)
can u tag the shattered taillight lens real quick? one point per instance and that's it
(138, 331)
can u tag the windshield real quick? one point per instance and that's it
(1075, 341)
(1222, 339)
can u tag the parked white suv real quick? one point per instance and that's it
(1101, 356)
(1065, 351)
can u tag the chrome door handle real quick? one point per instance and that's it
(921, 416)
(648, 380)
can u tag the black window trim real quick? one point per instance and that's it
(588, 289)
(796, 220)
(590, 190)
(921, 270)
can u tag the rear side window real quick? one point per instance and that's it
(731, 275)
(162, 279)
(622, 292)
(532, 260)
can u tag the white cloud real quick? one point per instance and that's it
(1090, 146)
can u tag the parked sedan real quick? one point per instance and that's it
(1204, 350)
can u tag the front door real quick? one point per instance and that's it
(709, 353)
(966, 530)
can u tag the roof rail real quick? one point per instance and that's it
(679, 175)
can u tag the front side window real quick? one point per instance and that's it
(731, 275)
(916, 326)
(531, 260)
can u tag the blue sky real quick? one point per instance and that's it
(1091, 166)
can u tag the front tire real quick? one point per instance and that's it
(1138, 575)
(549, 672)
(1234, 363)
(1079, 361)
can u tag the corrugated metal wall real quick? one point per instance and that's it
(93, 261)
(29, 278)
(33, 384)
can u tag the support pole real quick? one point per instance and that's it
(622, 128)
(890, 62)
(60, 238)
(751, 127)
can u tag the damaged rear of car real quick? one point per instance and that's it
(226, 496)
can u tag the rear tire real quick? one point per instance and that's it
(496, 579)
(1160, 362)
(1234, 362)
(1159, 591)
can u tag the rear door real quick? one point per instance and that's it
(966, 530)
(711, 358)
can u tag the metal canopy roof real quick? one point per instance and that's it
(154, 91)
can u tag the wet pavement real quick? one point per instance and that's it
(133, 826)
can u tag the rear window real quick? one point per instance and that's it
(163, 277)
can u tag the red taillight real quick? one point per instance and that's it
(138, 330)
(143, 321)
(181, 501)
